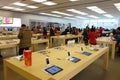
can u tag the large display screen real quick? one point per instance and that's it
(7, 20)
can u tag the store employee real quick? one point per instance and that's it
(25, 39)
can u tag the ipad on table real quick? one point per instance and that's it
(75, 60)
(53, 70)
(86, 53)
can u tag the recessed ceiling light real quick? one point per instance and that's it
(117, 5)
(32, 7)
(58, 12)
(92, 16)
(73, 0)
(50, 14)
(69, 18)
(96, 9)
(18, 9)
(81, 17)
(39, 0)
(13, 8)
(50, 3)
(7, 7)
(77, 11)
(108, 15)
(19, 4)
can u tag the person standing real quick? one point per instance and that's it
(85, 36)
(25, 39)
(117, 37)
(44, 32)
(92, 36)
(52, 33)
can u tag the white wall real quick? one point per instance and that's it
(25, 18)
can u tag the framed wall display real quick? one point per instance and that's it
(7, 20)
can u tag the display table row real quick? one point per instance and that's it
(9, 47)
(64, 38)
(101, 40)
(57, 56)
(109, 41)
(15, 36)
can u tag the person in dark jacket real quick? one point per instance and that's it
(85, 36)
(25, 39)
(52, 33)
(67, 30)
(44, 32)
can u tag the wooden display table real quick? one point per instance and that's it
(64, 37)
(37, 35)
(8, 37)
(57, 57)
(38, 41)
(14, 43)
(107, 40)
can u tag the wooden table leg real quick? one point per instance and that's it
(33, 47)
(106, 60)
(113, 51)
(78, 39)
(7, 72)
(51, 42)
(48, 44)
(63, 41)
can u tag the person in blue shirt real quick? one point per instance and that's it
(117, 37)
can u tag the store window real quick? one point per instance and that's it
(105, 23)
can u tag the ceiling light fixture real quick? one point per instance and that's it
(117, 5)
(62, 13)
(96, 9)
(76, 11)
(18, 9)
(73, 0)
(92, 16)
(50, 14)
(7, 7)
(13, 8)
(69, 18)
(39, 1)
(108, 15)
(81, 17)
(19, 4)
(49, 3)
(33, 7)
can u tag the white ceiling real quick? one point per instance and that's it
(62, 5)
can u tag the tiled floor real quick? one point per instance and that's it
(93, 72)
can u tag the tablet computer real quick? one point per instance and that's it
(53, 69)
(86, 53)
(75, 60)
